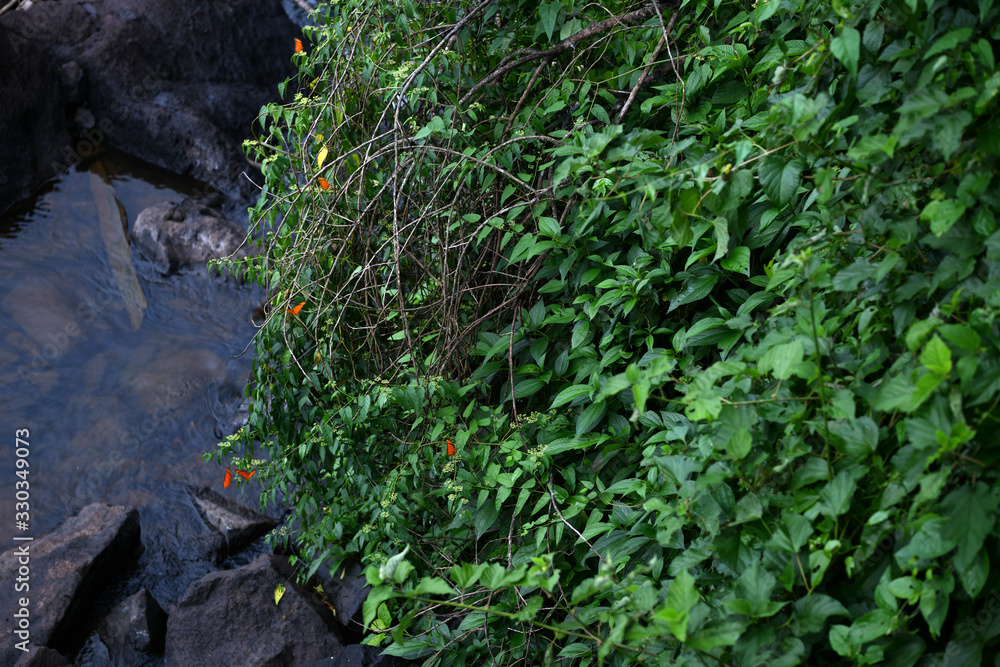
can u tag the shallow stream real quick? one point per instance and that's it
(121, 400)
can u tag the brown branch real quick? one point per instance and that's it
(642, 79)
(529, 55)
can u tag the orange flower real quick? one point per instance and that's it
(296, 309)
(298, 45)
(323, 183)
(451, 448)
(228, 480)
(246, 475)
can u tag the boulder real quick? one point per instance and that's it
(33, 114)
(238, 525)
(135, 628)
(346, 590)
(230, 617)
(174, 82)
(186, 235)
(42, 656)
(65, 571)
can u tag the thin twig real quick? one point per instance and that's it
(552, 495)
(529, 55)
(642, 79)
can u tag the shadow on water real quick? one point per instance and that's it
(117, 413)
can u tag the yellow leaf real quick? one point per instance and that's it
(322, 156)
(279, 591)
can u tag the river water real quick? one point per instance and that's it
(119, 404)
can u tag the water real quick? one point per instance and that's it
(116, 414)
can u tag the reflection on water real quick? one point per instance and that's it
(116, 415)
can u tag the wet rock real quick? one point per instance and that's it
(94, 653)
(346, 590)
(73, 81)
(175, 82)
(46, 314)
(136, 627)
(67, 568)
(229, 617)
(186, 235)
(238, 525)
(42, 656)
(167, 381)
(33, 114)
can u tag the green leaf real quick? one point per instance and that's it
(569, 394)
(942, 215)
(896, 394)
(738, 260)
(376, 596)
(783, 360)
(846, 48)
(812, 611)
(858, 437)
(716, 633)
(589, 418)
(434, 586)
(928, 543)
(971, 514)
(936, 356)
(792, 533)
(753, 593)
(390, 568)
(721, 233)
(837, 495)
(694, 289)
(871, 626)
(484, 517)
(948, 41)
(780, 178)
(748, 508)
(549, 12)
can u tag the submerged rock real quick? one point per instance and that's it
(186, 235)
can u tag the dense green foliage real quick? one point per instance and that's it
(705, 295)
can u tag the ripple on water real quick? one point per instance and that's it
(116, 415)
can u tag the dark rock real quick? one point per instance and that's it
(136, 626)
(357, 655)
(42, 656)
(346, 590)
(68, 568)
(73, 81)
(230, 618)
(174, 82)
(186, 235)
(95, 654)
(238, 525)
(33, 113)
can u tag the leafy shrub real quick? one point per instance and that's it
(703, 296)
